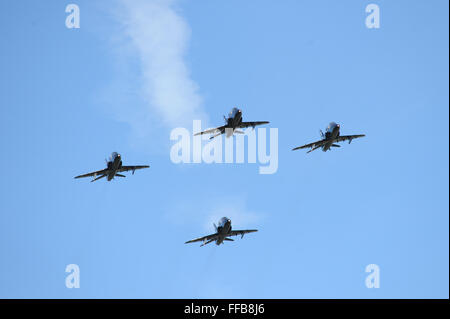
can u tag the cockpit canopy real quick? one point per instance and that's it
(331, 127)
(223, 221)
(233, 112)
(113, 156)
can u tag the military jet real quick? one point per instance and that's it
(232, 123)
(223, 231)
(113, 168)
(331, 136)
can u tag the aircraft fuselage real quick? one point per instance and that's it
(331, 133)
(113, 165)
(233, 121)
(223, 230)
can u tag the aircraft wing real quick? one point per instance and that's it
(252, 124)
(220, 129)
(348, 138)
(101, 172)
(242, 232)
(314, 145)
(205, 239)
(131, 168)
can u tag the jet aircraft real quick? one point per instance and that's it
(232, 123)
(223, 231)
(331, 136)
(113, 168)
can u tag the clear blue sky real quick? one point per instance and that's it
(70, 97)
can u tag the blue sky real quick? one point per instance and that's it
(134, 71)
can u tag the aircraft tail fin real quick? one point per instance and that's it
(215, 227)
(335, 145)
(321, 134)
(120, 175)
(228, 239)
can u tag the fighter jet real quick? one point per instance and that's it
(223, 231)
(331, 136)
(113, 168)
(232, 123)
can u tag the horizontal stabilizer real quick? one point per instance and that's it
(96, 179)
(206, 242)
(228, 239)
(218, 134)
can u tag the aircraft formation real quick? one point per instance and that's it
(233, 123)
